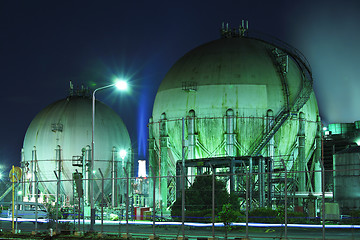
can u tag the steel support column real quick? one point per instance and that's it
(114, 178)
(163, 166)
(317, 168)
(301, 157)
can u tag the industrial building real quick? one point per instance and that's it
(342, 165)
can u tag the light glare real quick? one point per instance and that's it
(121, 85)
(122, 154)
(142, 168)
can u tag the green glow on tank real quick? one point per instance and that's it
(229, 73)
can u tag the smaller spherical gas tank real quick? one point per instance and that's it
(61, 135)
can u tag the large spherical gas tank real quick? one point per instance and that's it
(346, 179)
(61, 135)
(247, 79)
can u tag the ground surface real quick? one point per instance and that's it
(111, 231)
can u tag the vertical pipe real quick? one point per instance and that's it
(323, 189)
(83, 169)
(23, 176)
(230, 136)
(127, 202)
(151, 149)
(36, 197)
(113, 179)
(33, 167)
(270, 185)
(17, 209)
(163, 191)
(57, 206)
(86, 174)
(74, 209)
(270, 154)
(301, 156)
(178, 180)
(246, 200)
(154, 195)
(250, 183)
(269, 124)
(213, 202)
(58, 158)
(13, 198)
(191, 134)
(285, 192)
(92, 163)
(102, 200)
(232, 175)
(58, 201)
(36, 173)
(262, 181)
(317, 169)
(79, 211)
(191, 142)
(183, 180)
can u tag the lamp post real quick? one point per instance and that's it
(121, 85)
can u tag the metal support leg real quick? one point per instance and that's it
(285, 192)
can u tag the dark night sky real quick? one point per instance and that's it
(44, 44)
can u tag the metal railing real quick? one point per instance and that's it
(140, 211)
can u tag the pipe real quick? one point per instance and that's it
(113, 178)
(317, 167)
(301, 156)
(163, 161)
(191, 134)
(183, 180)
(230, 136)
(33, 170)
(86, 174)
(58, 201)
(269, 124)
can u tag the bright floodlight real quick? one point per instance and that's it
(142, 168)
(122, 154)
(325, 128)
(121, 85)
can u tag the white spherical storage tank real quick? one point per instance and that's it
(234, 97)
(58, 143)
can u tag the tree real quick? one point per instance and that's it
(227, 216)
(198, 199)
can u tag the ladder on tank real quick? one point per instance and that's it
(284, 114)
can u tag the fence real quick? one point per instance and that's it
(213, 204)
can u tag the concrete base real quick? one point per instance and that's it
(181, 238)
(126, 236)
(153, 237)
